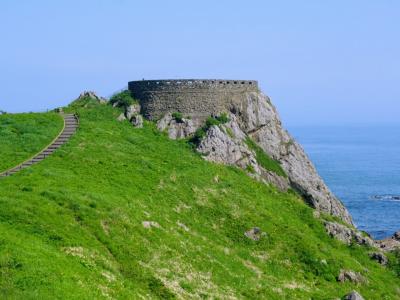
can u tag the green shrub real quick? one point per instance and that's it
(218, 120)
(178, 117)
(223, 118)
(210, 121)
(123, 99)
(265, 160)
(198, 136)
(250, 169)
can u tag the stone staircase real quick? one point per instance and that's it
(71, 124)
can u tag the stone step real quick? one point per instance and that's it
(71, 124)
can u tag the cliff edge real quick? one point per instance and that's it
(233, 122)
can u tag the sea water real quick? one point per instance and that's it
(361, 165)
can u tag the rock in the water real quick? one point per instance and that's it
(92, 95)
(176, 129)
(396, 236)
(137, 121)
(353, 296)
(379, 257)
(255, 234)
(347, 235)
(347, 275)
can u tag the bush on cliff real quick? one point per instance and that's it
(202, 131)
(122, 99)
(265, 160)
(178, 117)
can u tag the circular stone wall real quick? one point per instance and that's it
(192, 97)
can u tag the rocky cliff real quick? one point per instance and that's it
(252, 116)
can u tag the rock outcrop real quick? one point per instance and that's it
(348, 275)
(347, 234)
(390, 244)
(176, 129)
(92, 95)
(132, 114)
(254, 234)
(226, 144)
(353, 296)
(379, 257)
(259, 119)
(253, 115)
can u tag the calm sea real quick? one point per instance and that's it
(361, 165)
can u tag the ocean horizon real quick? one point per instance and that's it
(361, 166)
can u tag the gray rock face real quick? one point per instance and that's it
(137, 121)
(253, 115)
(90, 94)
(353, 296)
(348, 275)
(390, 244)
(175, 129)
(379, 257)
(219, 147)
(339, 232)
(132, 114)
(225, 144)
(132, 110)
(258, 118)
(254, 234)
(347, 235)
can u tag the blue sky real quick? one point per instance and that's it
(321, 62)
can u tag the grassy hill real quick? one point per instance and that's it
(23, 135)
(126, 213)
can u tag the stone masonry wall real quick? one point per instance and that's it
(195, 98)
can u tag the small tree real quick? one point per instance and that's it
(178, 117)
(122, 99)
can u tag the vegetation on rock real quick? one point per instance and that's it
(210, 121)
(178, 117)
(122, 99)
(265, 160)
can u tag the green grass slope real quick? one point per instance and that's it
(24, 135)
(71, 227)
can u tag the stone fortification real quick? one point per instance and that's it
(192, 97)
